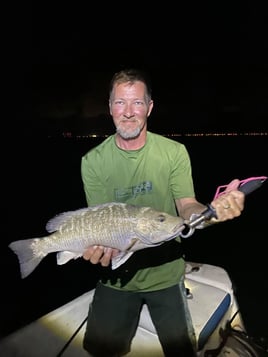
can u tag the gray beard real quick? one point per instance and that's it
(128, 134)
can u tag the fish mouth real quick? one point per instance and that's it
(178, 228)
(175, 233)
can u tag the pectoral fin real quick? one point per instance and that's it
(120, 259)
(64, 256)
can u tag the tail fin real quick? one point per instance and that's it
(26, 255)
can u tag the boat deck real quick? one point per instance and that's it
(59, 333)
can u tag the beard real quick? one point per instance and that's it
(128, 134)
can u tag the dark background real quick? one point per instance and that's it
(208, 62)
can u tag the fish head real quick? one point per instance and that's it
(154, 227)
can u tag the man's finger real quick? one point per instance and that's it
(106, 258)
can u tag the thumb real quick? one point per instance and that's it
(233, 185)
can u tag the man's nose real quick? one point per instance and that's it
(129, 113)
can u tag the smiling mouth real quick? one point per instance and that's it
(131, 120)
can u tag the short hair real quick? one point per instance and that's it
(131, 75)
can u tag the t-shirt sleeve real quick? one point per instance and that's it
(92, 183)
(181, 181)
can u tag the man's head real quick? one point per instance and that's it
(130, 102)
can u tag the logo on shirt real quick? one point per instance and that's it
(123, 194)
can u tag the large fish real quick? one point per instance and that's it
(125, 227)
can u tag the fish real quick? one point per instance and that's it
(125, 227)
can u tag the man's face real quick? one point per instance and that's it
(130, 108)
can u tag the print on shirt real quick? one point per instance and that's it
(123, 194)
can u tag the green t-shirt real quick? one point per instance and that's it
(154, 176)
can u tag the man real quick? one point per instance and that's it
(143, 168)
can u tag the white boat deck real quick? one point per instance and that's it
(211, 304)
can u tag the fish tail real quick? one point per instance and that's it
(26, 255)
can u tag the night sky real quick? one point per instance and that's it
(208, 62)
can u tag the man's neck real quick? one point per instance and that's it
(131, 144)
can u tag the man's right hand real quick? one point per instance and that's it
(99, 254)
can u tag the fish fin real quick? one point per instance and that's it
(64, 218)
(26, 255)
(120, 259)
(64, 256)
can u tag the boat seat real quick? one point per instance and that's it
(207, 306)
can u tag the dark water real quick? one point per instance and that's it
(43, 179)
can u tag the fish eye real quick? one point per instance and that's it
(161, 218)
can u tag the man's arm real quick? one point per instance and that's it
(228, 206)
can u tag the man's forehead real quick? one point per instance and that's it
(129, 87)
